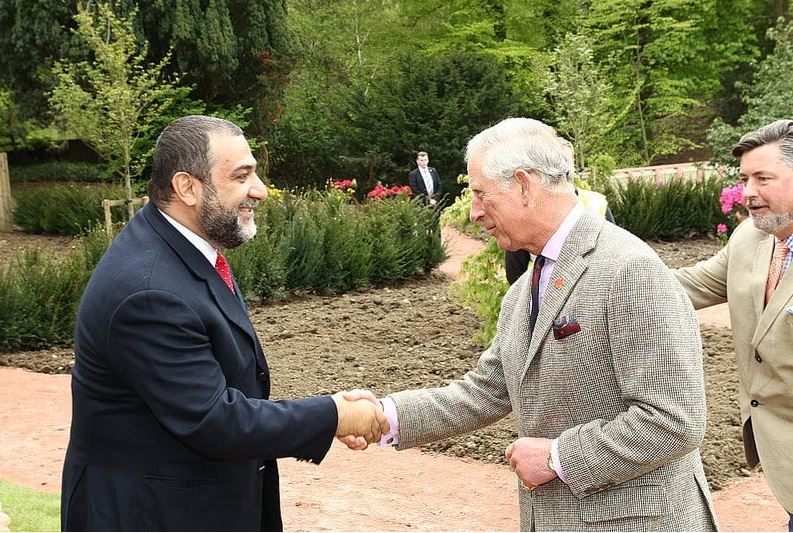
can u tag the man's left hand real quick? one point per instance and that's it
(528, 458)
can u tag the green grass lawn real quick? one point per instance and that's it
(30, 510)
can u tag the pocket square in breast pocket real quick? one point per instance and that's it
(789, 310)
(565, 326)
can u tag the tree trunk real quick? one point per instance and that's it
(128, 184)
(782, 8)
(637, 69)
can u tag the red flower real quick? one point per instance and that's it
(380, 191)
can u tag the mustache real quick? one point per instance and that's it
(754, 202)
(249, 203)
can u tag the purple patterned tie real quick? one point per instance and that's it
(539, 261)
(223, 268)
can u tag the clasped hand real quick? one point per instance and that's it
(361, 419)
(528, 458)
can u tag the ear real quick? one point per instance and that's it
(186, 188)
(523, 180)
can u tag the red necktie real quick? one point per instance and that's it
(539, 261)
(775, 270)
(224, 270)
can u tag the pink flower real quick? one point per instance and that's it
(721, 228)
(731, 196)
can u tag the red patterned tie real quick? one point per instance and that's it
(539, 262)
(223, 268)
(775, 270)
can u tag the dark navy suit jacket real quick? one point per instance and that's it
(416, 181)
(171, 426)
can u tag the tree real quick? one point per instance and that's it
(767, 98)
(579, 94)
(232, 51)
(109, 100)
(33, 35)
(229, 51)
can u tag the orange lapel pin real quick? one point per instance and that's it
(558, 283)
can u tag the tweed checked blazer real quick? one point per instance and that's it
(625, 395)
(763, 340)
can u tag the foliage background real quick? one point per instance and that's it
(353, 88)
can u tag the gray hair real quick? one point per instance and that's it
(522, 143)
(780, 132)
(183, 146)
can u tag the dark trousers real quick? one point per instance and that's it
(790, 522)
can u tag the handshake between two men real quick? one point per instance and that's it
(361, 422)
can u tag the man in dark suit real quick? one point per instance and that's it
(425, 180)
(171, 426)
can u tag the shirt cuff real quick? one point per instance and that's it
(557, 465)
(389, 409)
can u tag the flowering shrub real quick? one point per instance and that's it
(343, 188)
(275, 193)
(381, 192)
(731, 199)
(343, 185)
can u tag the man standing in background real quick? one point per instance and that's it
(425, 180)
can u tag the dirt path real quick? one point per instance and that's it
(400, 491)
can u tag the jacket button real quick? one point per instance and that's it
(754, 403)
(262, 376)
(758, 358)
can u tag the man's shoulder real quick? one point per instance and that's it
(746, 232)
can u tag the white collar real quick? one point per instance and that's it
(206, 249)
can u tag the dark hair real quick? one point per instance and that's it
(421, 154)
(780, 132)
(183, 146)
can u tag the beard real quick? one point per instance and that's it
(222, 225)
(770, 222)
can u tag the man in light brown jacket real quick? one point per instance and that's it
(752, 274)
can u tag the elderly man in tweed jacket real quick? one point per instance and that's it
(607, 386)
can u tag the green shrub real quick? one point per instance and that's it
(319, 243)
(63, 209)
(671, 210)
(347, 255)
(313, 242)
(458, 215)
(39, 294)
(60, 171)
(483, 286)
(405, 238)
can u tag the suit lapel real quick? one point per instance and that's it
(782, 295)
(569, 268)
(760, 266)
(228, 302)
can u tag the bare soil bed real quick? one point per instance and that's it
(414, 335)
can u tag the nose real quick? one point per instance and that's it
(477, 212)
(749, 189)
(258, 190)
